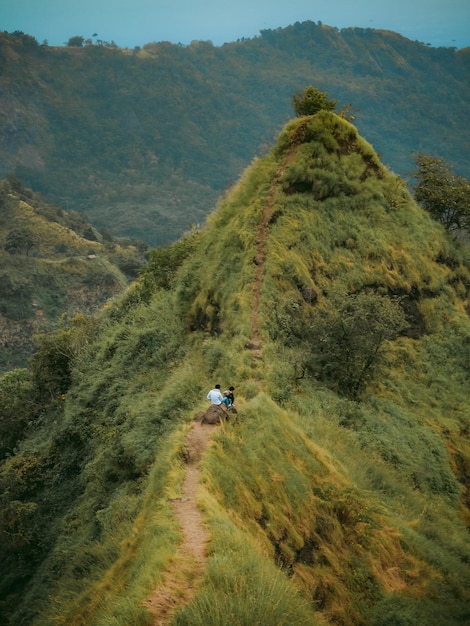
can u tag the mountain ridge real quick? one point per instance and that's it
(340, 489)
(160, 132)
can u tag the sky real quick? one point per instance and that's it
(130, 23)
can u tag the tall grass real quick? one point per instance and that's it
(320, 509)
(146, 539)
(309, 484)
(242, 588)
(300, 507)
(242, 584)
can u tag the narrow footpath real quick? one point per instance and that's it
(188, 566)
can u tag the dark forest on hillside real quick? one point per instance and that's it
(145, 141)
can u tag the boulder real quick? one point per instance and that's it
(214, 415)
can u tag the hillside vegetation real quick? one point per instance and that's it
(339, 492)
(145, 141)
(53, 264)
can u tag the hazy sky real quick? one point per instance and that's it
(132, 23)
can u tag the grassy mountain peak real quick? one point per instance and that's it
(144, 141)
(305, 213)
(337, 494)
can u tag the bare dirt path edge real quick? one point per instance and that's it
(190, 559)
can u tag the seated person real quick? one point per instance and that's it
(228, 394)
(215, 396)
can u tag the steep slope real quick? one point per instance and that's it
(144, 141)
(339, 494)
(52, 263)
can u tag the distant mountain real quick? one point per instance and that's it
(53, 263)
(145, 141)
(339, 492)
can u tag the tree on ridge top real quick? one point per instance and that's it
(311, 100)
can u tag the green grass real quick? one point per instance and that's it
(141, 527)
(320, 509)
(242, 588)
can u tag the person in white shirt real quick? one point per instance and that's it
(215, 396)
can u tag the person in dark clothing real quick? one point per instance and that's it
(228, 393)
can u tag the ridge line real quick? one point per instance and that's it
(260, 257)
(190, 560)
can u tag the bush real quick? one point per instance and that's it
(348, 340)
(311, 101)
(16, 408)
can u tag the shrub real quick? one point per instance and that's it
(348, 340)
(16, 408)
(311, 101)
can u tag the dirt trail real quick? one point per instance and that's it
(260, 257)
(182, 580)
(187, 568)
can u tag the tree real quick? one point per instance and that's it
(20, 241)
(164, 263)
(17, 408)
(441, 192)
(52, 363)
(348, 340)
(76, 41)
(311, 101)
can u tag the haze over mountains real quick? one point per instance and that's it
(146, 141)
